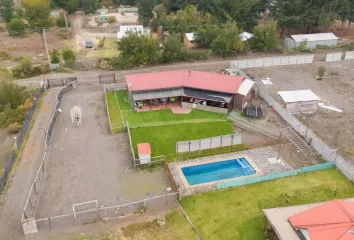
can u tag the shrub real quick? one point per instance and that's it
(196, 55)
(13, 128)
(54, 56)
(101, 42)
(303, 47)
(4, 56)
(321, 71)
(69, 56)
(61, 21)
(23, 69)
(45, 68)
(16, 27)
(111, 19)
(64, 33)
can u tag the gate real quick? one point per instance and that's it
(55, 82)
(107, 78)
(86, 212)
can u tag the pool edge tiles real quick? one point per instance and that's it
(210, 185)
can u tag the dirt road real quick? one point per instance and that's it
(11, 210)
(92, 76)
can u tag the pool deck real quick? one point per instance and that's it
(263, 160)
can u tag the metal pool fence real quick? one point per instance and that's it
(209, 143)
(20, 140)
(33, 198)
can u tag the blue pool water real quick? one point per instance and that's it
(217, 171)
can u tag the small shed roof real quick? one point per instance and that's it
(190, 36)
(123, 30)
(144, 148)
(314, 37)
(298, 96)
(245, 87)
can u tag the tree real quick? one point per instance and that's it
(245, 12)
(69, 56)
(207, 34)
(69, 5)
(128, 2)
(6, 10)
(136, 49)
(343, 14)
(90, 6)
(61, 20)
(16, 27)
(145, 8)
(265, 37)
(37, 13)
(228, 42)
(173, 49)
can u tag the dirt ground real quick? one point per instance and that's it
(127, 18)
(6, 143)
(88, 163)
(334, 128)
(32, 45)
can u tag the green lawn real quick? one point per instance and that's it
(109, 49)
(236, 213)
(114, 113)
(176, 228)
(163, 139)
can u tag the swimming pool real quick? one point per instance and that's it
(216, 171)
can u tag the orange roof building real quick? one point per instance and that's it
(332, 220)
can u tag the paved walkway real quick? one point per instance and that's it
(14, 199)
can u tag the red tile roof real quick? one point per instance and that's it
(144, 148)
(329, 221)
(184, 78)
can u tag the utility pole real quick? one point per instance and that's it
(66, 20)
(46, 47)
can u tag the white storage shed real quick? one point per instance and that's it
(300, 101)
(312, 40)
(144, 152)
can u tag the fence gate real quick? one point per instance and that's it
(54, 82)
(86, 212)
(107, 78)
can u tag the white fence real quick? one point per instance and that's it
(332, 57)
(327, 153)
(349, 55)
(209, 143)
(272, 61)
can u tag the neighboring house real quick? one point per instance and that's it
(299, 101)
(332, 220)
(124, 30)
(312, 40)
(189, 41)
(101, 19)
(189, 89)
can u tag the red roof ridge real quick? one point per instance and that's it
(339, 203)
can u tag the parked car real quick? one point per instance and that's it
(89, 44)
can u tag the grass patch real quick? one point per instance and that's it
(176, 228)
(109, 50)
(163, 139)
(113, 108)
(123, 100)
(349, 151)
(236, 213)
